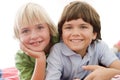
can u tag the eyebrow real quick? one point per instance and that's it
(79, 24)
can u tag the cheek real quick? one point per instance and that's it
(47, 37)
(46, 34)
(89, 37)
(65, 35)
(24, 39)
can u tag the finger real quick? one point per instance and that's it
(25, 49)
(91, 67)
(30, 52)
(90, 77)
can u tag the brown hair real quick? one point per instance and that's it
(78, 9)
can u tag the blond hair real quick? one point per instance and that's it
(31, 14)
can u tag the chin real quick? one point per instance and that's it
(36, 50)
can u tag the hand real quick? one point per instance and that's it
(117, 46)
(76, 79)
(98, 73)
(32, 53)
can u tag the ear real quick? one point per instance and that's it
(94, 35)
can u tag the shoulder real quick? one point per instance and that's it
(58, 45)
(100, 44)
(56, 49)
(99, 47)
(20, 55)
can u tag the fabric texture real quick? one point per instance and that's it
(9, 74)
(25, 64)
(64, 64)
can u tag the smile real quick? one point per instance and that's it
(36, 43)
(76, 40)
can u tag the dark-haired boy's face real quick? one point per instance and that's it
(78, 35)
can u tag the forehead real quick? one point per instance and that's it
(76, 21)
(30, 19)
(32, 23)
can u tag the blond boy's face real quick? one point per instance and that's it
(35, 37)
(78, 35)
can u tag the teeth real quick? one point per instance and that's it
(36, 43)
(75, 40)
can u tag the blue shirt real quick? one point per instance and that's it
(64, 64)
(118, 55)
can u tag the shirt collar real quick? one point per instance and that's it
(68, 52)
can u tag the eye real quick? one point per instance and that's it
(40, 27)
(25, 31)
(67, 27)
(83, 27)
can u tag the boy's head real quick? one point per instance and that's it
(78, 9)
(32, 14)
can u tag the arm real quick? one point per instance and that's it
(100, 73)
(40, 63)
(115, 64)
(107, 59)
(39, 70)
(117, 46)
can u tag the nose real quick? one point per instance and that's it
(34, 35)
(76, 32)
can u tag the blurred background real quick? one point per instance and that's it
(108, 10)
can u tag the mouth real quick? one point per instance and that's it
(76, 40)
(36, 43)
